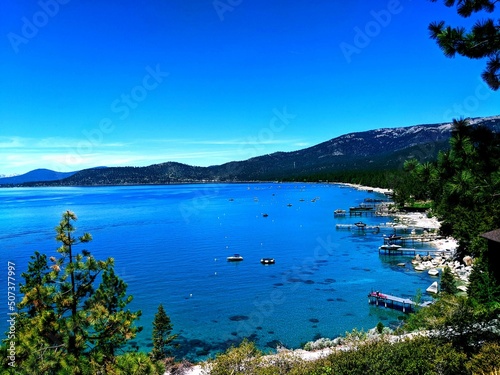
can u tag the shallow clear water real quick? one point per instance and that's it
(170, 245)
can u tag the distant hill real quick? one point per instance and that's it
(381, 149)
(35, 175)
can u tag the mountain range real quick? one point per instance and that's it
(380, 149)
(35, 175)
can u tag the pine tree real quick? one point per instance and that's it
(448, 282)
(162, 338)
(483, 288)
(483, 40)
(65, 325)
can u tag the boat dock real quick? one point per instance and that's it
(393, 302)
(381, 226)
(404, 240)
(411, 251)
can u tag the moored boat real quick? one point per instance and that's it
(267, 261)
(389, 247)
(235, 258)
(339, 212)
(394, 237)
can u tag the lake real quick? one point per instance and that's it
(170, 245)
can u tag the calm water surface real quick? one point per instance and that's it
(170, 245)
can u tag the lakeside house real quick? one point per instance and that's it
(493, 253)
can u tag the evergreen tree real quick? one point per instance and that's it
(463, 184)
(448, 282)
(483, 288)
(482, 41)
(65, 325)
(162, 338)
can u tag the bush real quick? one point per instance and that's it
(487, 361)
(241, 360)
(417, 356)
(380, 327)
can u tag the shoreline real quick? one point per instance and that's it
(410, 219)
(363, 187)
(413, 219)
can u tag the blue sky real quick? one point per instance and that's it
(203, 82)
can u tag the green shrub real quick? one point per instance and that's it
(487, 361)
(380, 327)
(244, 359)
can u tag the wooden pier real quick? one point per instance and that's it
(393, 302)
(354, 226)
(411, 251)
(404, 240)
(387, 227)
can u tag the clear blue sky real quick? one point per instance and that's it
(203, 82)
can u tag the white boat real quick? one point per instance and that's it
(339, 212)
(267, 261)
(389, 247)
(433, 288)
(433, 272)
(235, 258)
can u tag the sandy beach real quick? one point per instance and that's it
(367, 188)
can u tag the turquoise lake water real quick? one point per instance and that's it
(170, 245)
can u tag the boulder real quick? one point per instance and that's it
(468, 260)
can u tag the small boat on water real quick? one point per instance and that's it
(433, 288)
(267, 261)
(265, 215)
(339, 212)
(393, 237)
(235, 258)
(390, 247)
(360, 224)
